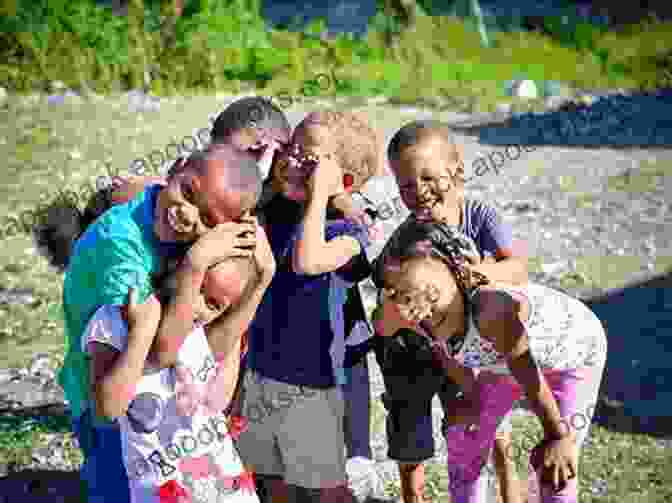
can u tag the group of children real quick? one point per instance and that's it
(233, 286)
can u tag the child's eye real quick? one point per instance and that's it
(207, 220)
(212, 304)
(188, 192)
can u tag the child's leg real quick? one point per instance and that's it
(357, 420)
(469, 447)
(408, 399)
(505, 468)
(103, 472)
(576, 392)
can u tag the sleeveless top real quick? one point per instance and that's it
(562, 332)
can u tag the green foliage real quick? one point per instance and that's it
(218, 44)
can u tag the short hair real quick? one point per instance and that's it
(415, 133)
(249, 112)
(243, 169)
(165, 282)
(350, 137)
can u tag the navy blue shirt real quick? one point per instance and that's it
(297, 335)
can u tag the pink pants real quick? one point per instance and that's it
(469, 449)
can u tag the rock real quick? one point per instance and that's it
(41, 367)
(57, 85)
(504, 108)
(3, 95)
(18, 296)
(525, 89)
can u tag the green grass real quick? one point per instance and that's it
(646, 178)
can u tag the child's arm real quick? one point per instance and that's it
(496, 238)
(115, 369)
(222, 242)
(312, 253)
(225, 332)
(501, 318)
(506, 268)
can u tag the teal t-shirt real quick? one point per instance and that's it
(118, 251)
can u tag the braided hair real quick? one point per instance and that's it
(422, 239)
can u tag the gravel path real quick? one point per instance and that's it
(587, 236)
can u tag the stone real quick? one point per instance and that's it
(504, 108)
(57, 85)
(525, 89)
(3, 95)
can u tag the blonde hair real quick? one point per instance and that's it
(348, 136)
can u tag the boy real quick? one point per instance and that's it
(296, 339)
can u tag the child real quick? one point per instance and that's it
(530, 339)
(296, 339)
(214, 187)
(174, 435)
(428, 167)
(359, 153)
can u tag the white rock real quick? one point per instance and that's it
(57, 85)
(525, 89)
(3, 94)
(553, 267)
(503, 108)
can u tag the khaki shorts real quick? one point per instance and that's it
(293, 432)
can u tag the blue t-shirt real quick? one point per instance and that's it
(116, 252)
(297, 335)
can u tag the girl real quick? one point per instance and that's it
(175, 438)
(531, 340)
(428, 166)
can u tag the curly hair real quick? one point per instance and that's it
(348, 136)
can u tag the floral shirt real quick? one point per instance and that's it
(563, 334)
(175, 440)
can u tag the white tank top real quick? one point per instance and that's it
(563, 334)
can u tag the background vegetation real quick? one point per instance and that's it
(226, 45)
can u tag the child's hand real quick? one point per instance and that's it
(327, 178)
(143, 318)
(560, 461)
(224, 241)
(263, 254)
(461, 411)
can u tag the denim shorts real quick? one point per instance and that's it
(103, 474)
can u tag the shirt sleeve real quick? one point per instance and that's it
(107, 327)
(120, 266)
(495, 234)
(358, 268)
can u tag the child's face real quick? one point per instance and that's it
(425, 174)
(295, 164)
(193, 203)
(419, 287)
(223, 287)
(259, 142)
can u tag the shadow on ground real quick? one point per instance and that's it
(640, 120)
(40, 486)
(638, 320)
